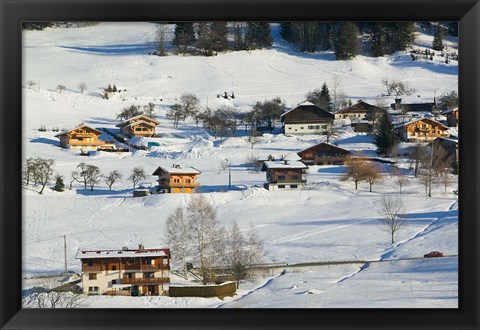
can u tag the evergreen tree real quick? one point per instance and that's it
(320, 97)
(204, 40)
(183, 36)
(59, 185)
(377, 39)
(437, 43)
(218, 31)
(286, 31)
(384, 136)
(453, 29)
(238, 37)
(399, 36)
(345, 41)
(307, 36)
(258, 35)
(326, 36)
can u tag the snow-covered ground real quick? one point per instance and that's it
(328, 221)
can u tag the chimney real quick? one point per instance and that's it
(285, 162)
(140, 247)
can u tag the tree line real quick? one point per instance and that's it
(40, 172)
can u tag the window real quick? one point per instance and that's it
(188, 181)
(176, 180)
(92, 276)
(293, 186)
(289, 128)
(281, 186)
(314, 127)
(148, 275)
(324, 126)
(294, 177)
(114, 267)
(93, 289)
(301, 127)
(281, 177)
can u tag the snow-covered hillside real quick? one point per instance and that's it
(328, 221)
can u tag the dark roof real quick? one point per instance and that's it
(325, 148)
(307, 113)
(360, 107)
(430, 106)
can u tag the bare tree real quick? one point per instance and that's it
(49, 297)
(161, 32)
(331, 131)
(43, 172)
(149, 110)
(82, 87)
(129, 112)
(253, 140)
(88, 175)
(204, 228)
(417, 155)
(339, 99)
(400, 178)
(111, 178)
(29, 170)
(137, 175)
(393, 215)
(432, 163)
(176, 113)
(371, 174)
(179, 237)
(356, 171)
(61, 88)
(30, 84)
(251, 162)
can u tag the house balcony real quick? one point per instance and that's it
(84, 135)
(178, 185)
(145, 281)
(288, 181)
(145, 268)
(94, 268)
(83, 143)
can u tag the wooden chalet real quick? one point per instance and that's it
(324, 154)
(284, 175)
(177, 179)
(421, 130)
(140, 125)
(81, 137)
(125, 272)
(452, 117)
(450, 146)
(359, 111)
(307, 118)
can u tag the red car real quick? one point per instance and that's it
(433, 254)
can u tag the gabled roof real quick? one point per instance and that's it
(127, 253)
(450, 111)
(283, 164)
(307, 112)
(140, 122)
(360, 107)
(324, 146)
(425, 107)
(137, 118)
(176, 169)
(79, 126)
(420, 119)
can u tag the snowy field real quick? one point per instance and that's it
(328, 221)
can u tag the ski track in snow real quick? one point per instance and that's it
(393, 249)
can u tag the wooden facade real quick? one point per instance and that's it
(139, 126)
(81, 137)
(132, 272)
(452, 117)
(284, 175)
(324, 154)
(359, 111)
(421, 130)
(177, 179)
(306, 118)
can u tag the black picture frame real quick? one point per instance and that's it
(13, 12)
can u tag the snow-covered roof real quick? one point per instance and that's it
(176, 169)
(450, 110)
(123, 253)
(135, 119)
(427, 119)
(284, 164)
(79, 126)
(149, 123)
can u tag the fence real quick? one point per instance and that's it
(206, 291)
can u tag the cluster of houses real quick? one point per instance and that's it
(306, 118)
(146, 271)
